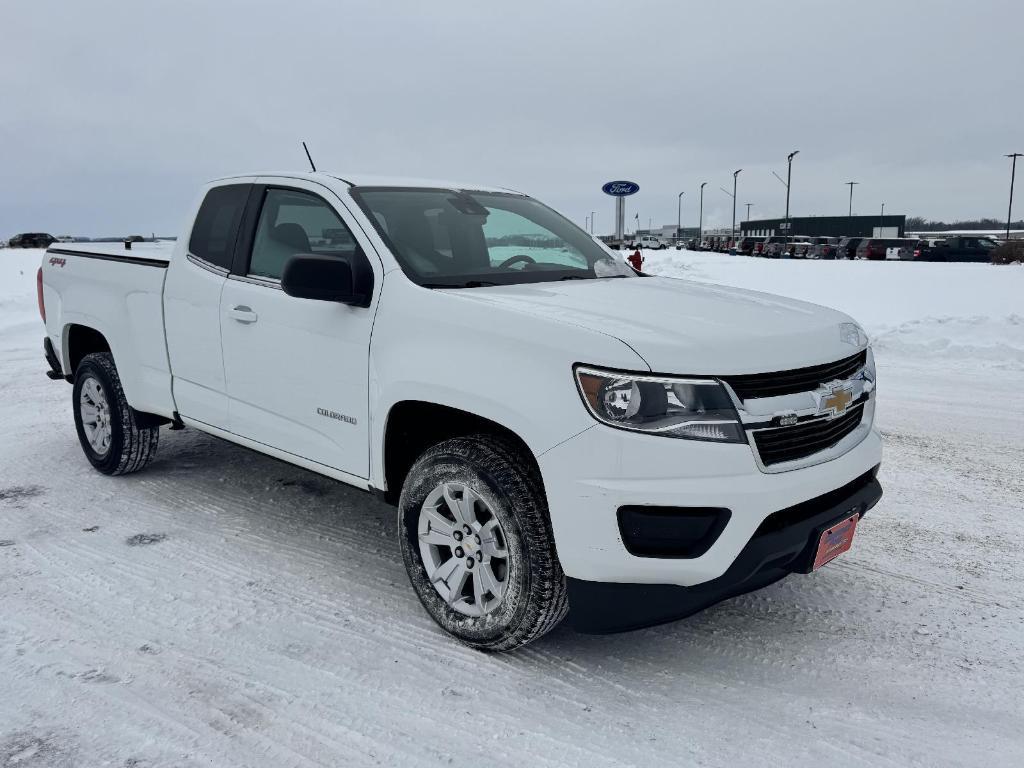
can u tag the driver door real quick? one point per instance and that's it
(296, 370)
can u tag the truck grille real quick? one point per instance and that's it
(798, 380)
(799, 441)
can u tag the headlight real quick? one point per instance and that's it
(853, 334)
(692, 409)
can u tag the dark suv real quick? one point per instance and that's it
(958, 248)
(32, 240)
(847, 247)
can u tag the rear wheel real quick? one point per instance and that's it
(112, 437)
(477, 543)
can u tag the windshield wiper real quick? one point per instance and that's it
(467, 284)
(587, 277)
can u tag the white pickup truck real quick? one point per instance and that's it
(648, 243)
(559, 432)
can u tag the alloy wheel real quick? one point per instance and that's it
(95, 411)
(463, 548)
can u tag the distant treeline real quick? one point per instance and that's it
(920, 224)
(525, 241)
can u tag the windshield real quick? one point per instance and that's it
(447, 238)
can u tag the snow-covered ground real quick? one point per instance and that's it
(223, 608)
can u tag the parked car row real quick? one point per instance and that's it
(776, 246)
(870, 248)
(718, 244)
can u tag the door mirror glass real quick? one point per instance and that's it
(323, 278)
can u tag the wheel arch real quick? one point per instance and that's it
(412, 426)
(79, 341)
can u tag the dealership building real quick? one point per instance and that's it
(827, 226)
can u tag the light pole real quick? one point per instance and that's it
(789, 176)
(734, 175)
(748, 210)
(849, 221)
(789, 179)
(679, 216)
(591, 222)
(700, 222)
(1013, 174)
(881, 222)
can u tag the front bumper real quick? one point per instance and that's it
(589, 477)
(784, 543)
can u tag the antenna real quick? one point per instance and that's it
(309, 157)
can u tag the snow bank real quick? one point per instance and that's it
(996, 341)
(18, 286)
(946, 312)
(17, 273)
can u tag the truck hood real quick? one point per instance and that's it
(682, 327)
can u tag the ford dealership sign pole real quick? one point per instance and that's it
(620, 190)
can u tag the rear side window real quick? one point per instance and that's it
(216, 227)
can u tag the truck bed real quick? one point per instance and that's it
(118, 292)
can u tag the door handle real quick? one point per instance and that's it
(243, 314)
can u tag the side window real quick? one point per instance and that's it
(294, 222)
(216, 225)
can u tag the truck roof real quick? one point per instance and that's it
(369, 180)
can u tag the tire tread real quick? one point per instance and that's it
(503, 462)
(138, 443)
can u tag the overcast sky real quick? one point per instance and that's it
(113, 113)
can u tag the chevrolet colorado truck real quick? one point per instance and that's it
(560, 433)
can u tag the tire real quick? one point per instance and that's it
(128, 445)
(502, 485)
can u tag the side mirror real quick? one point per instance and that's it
(327, 278)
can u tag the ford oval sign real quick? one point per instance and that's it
(620, 188)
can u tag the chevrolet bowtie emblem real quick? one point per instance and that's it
(836, 402)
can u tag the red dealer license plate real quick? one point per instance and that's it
(835, 540)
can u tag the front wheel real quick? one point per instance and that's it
(108, 428)
(477, 543)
